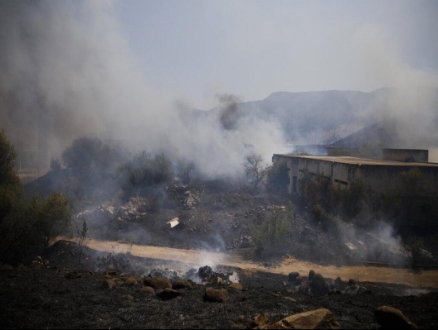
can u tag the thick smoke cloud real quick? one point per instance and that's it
(67, 66)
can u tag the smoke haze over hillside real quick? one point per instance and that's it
(69, 69)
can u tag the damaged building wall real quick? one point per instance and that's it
(417, 199)
(380, 175)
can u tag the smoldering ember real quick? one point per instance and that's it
(125, 203)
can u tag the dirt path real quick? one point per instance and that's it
(423, 279)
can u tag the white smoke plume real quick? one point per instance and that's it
(68, 67)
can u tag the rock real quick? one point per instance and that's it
(352, 289)
(351, 282)
(293, 276)
(304, 288)
(392, 318)
(316, 319)
(319, 286)
(311, 275)
(72, 275)
(259, 321)
(220, 280)
(181, 284)
(205, 272)
(290, 299)
(147, 290)
(235, 286)
(168, 294)
(338, 282)
(109, 283)
(131, 280)
(157, 283)
(216, 295)
(298, 280)
(363, 290)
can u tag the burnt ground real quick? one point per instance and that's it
(68, 291)
(66, 295)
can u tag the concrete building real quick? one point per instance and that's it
(381, 175)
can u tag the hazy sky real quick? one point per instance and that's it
(131, 70)
(196, 49)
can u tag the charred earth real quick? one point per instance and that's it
(73, 286)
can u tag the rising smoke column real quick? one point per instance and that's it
(68, 66)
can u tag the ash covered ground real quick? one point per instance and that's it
(72, 286)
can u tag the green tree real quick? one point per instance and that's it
(10, 186)
(52, 216)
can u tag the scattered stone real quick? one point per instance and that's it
(110, 273)
(316, 319)
(351, 282)
(131, 280)
(181, 284)
(235, 286)
(293, 276)
(259, 321)
(147, 290)
(215, 295)
(319, 286)
(311, 275)
(168, 294)
(392, 318)
(157, 282)
(204, 272)
(72, 275)
(109, 283)
(290, 299)
(304, 288)
(298, 280)
(352, 289)
(363, 291)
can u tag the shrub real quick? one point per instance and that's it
(82, 153)
(185, 170)
(52, 216)
(55, 164)
(352, 198)
(144, 171)
(272, 232)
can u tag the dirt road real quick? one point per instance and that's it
(421, 279)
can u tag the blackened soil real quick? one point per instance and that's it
(64, 295)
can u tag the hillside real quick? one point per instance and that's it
(322, 117)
